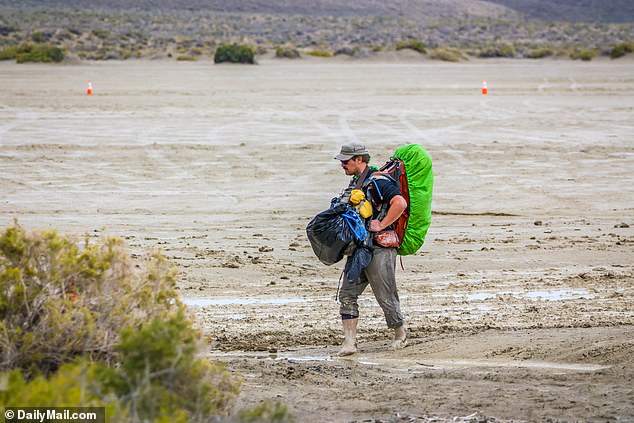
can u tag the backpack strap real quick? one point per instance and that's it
(358, 184)
(382, 207)
(362, 177)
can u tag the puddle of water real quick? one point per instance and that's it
(555, 295)
(305, 358)
(443, 364)
(564, 294)
(206, 302)
(415, 365)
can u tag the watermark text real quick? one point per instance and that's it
(55, 414)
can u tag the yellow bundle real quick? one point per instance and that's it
(364, 208)
(356, 196)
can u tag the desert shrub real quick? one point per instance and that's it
(447, 55)
(622, 49)
(32, 53)
(159, 375)
(82, 325)
(319, 53)
(185, 58)
(267, 411)
(582, 54)
(287, 52)
(234, 53)
(412, 44)
(540, 53)
(158, 378)
(74, 383)
(498, 50)
(44, 53)
(38, 37)
(9, 53)
(125, 53)
(135, 34)
(101, 33)
(59, 300)
(345, 50)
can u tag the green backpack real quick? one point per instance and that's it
(411, 168)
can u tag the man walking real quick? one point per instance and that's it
(387, 205)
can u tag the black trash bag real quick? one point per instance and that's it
(355, 264)
(329, 234)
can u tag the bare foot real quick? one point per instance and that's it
(347, 349)
(398, 344)
(400, 339)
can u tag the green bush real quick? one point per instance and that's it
(81, 325)
(622, 49)
(580, 54)
(9, 53)
(411, 44)
(158, 373)
(319, 53)
(158, 378)
(234, 53)
(38, 37)
(32, 53)
(498, 50)
(267, 411)
(59, 300)
(42, 53)
(447, 55)
(74, 383)
(101, 33)
(540, 53)
(287, 52)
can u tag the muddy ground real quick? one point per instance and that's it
(519, 307)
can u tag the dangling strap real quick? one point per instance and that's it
(345, 195)
(401, 259)
(338, 285)
(362, 177)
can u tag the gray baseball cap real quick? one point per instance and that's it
(351, 149)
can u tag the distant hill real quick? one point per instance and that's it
(418, 9)
(555, 10)
(574, 10)
(447, 29)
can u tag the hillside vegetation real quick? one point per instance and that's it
(191, 29)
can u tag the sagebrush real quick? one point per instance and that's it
(59, 300)
(81, 324)
(234, 53)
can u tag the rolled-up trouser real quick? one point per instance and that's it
(380, 275)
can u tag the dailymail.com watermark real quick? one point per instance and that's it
(55, 414)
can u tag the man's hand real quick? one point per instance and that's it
(397, 206)
(376, 226)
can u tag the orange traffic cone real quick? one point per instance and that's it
(484, 88)
(89, 90)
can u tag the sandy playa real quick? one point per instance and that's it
(520, 305)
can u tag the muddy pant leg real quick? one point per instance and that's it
(381, 273)
(348, 296)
